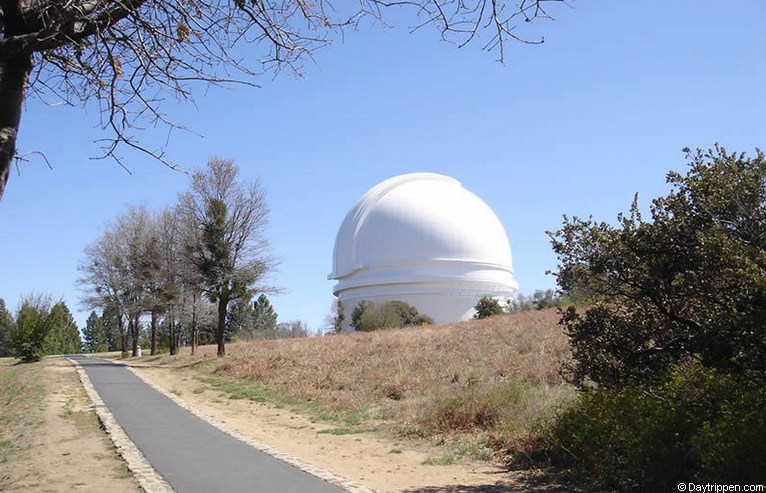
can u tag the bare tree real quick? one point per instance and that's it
(227, 244)
(131, 54)
(102, 280)
(122, 269)
(140, 268)
(168, 286)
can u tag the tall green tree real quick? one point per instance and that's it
(240, 318)
(6, 327)
(264, 316)
(227, 243)
(689, 285)
(94, 335)
(64, 336)
(113, 332)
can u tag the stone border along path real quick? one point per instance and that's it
(149, 479)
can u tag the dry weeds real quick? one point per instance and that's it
(479, 385)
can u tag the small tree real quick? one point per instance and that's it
(264, 316)
(64, 336)
(487, 306)
(94, 335)
(338, 315)
(6, 327)
(357, 312)
(113, 328)
(32, 328)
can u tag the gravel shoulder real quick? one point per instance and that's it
(58, 444)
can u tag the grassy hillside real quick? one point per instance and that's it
(480, 386)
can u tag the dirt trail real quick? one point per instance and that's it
(68, 451)
(369, 458)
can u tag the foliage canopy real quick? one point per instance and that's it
(486, 307)
(687, 286)
(41, 329)
(367, 316)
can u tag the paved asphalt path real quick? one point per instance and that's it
(193, 456)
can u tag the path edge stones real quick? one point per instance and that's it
(148, 477)
(346, 484)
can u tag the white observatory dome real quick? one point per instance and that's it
(424, 239)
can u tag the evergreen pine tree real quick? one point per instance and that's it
(6, 325)
(264, 316)
(94, 335)
(63, 336)
(240, 319)
(111, 325)
(339, 315)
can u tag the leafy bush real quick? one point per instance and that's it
(32, 328)
(685, 286)
(40, 329)
(698, 425)
(367, 316)
(487, 306)
(671, 351)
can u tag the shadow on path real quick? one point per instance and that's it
(533, 482)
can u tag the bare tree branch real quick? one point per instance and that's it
(131, 55)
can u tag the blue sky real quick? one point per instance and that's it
(574, 126)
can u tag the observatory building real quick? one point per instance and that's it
(424, 239)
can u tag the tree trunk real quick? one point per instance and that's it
(154, 331)
(13, 80)
(123, 336)
(14, 73)
(219, 334)
(194, 329)
(134, 323)
(173, 330)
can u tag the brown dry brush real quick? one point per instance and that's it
(498, 377)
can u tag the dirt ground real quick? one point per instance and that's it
(370, 459)
(68, 451)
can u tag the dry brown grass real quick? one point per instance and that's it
(21, 393)
(492, 379)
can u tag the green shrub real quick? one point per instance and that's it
(732, 448)
(32, 329)
(486, 307)
(698, 425)
(686, 284)
(368, 316)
